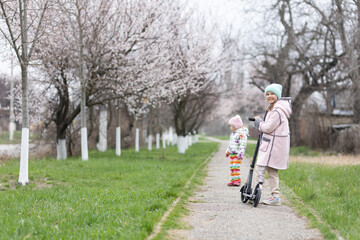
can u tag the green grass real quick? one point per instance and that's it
(250, 149)
(5, 138)
(333, 192)
(107, 197)
(202, 138)
(174, 221)
(303, 151)
(222, 137)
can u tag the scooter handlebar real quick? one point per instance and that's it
(251, 119)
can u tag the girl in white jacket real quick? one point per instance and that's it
(236, 148)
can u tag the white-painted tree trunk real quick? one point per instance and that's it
(157, 140)
(102, 144)
(144, 135)
(24, 158)
(80, 38)
(23, 53)
(163, 138)
(181, 144)
(186, 142)
(24, 61)
(171, 136)
(175, 139)
(190, 140)
(137, 139)
(118, 141)
(12, 128)
(118, 130)
(150, 142)
(61, 149)
(84, 145)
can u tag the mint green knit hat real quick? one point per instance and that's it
(275, 88)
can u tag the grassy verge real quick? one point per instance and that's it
(107, 197)
(303, 151)
(326, 195)
(250, 149)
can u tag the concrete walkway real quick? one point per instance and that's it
(14, 150)
(216, 210)
(10, 150)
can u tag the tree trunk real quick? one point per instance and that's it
(163, 139)
(181, 145)
(149, 129)
(61, 140)
(157, 140)
(102, 144)
(150, 142)
(356, 80)
(12, 126)
(84, 142)
(297, 104)
(118, 131)
(179, 118)
(356, 108)
(61, 149)
(24, 158)
(171, 136)
(137, 136)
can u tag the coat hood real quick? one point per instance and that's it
(284, 104)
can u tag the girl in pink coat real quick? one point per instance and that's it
(274, 147)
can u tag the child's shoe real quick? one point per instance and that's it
(236, 183)
(275, 201)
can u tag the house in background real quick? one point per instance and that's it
(332, 111)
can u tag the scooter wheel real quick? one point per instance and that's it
(257, 193)
(244, 199)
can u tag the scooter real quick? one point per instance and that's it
(247, 192)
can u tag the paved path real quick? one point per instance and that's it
(216, 211)
(14, 150)
(10, 150)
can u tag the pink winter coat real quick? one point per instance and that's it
(275, 143)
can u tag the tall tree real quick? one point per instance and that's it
(76, 15)
(307, 56)
(347, 22)
(23, 35)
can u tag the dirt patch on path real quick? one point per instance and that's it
(335, 160)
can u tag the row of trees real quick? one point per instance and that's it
(138, 54)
